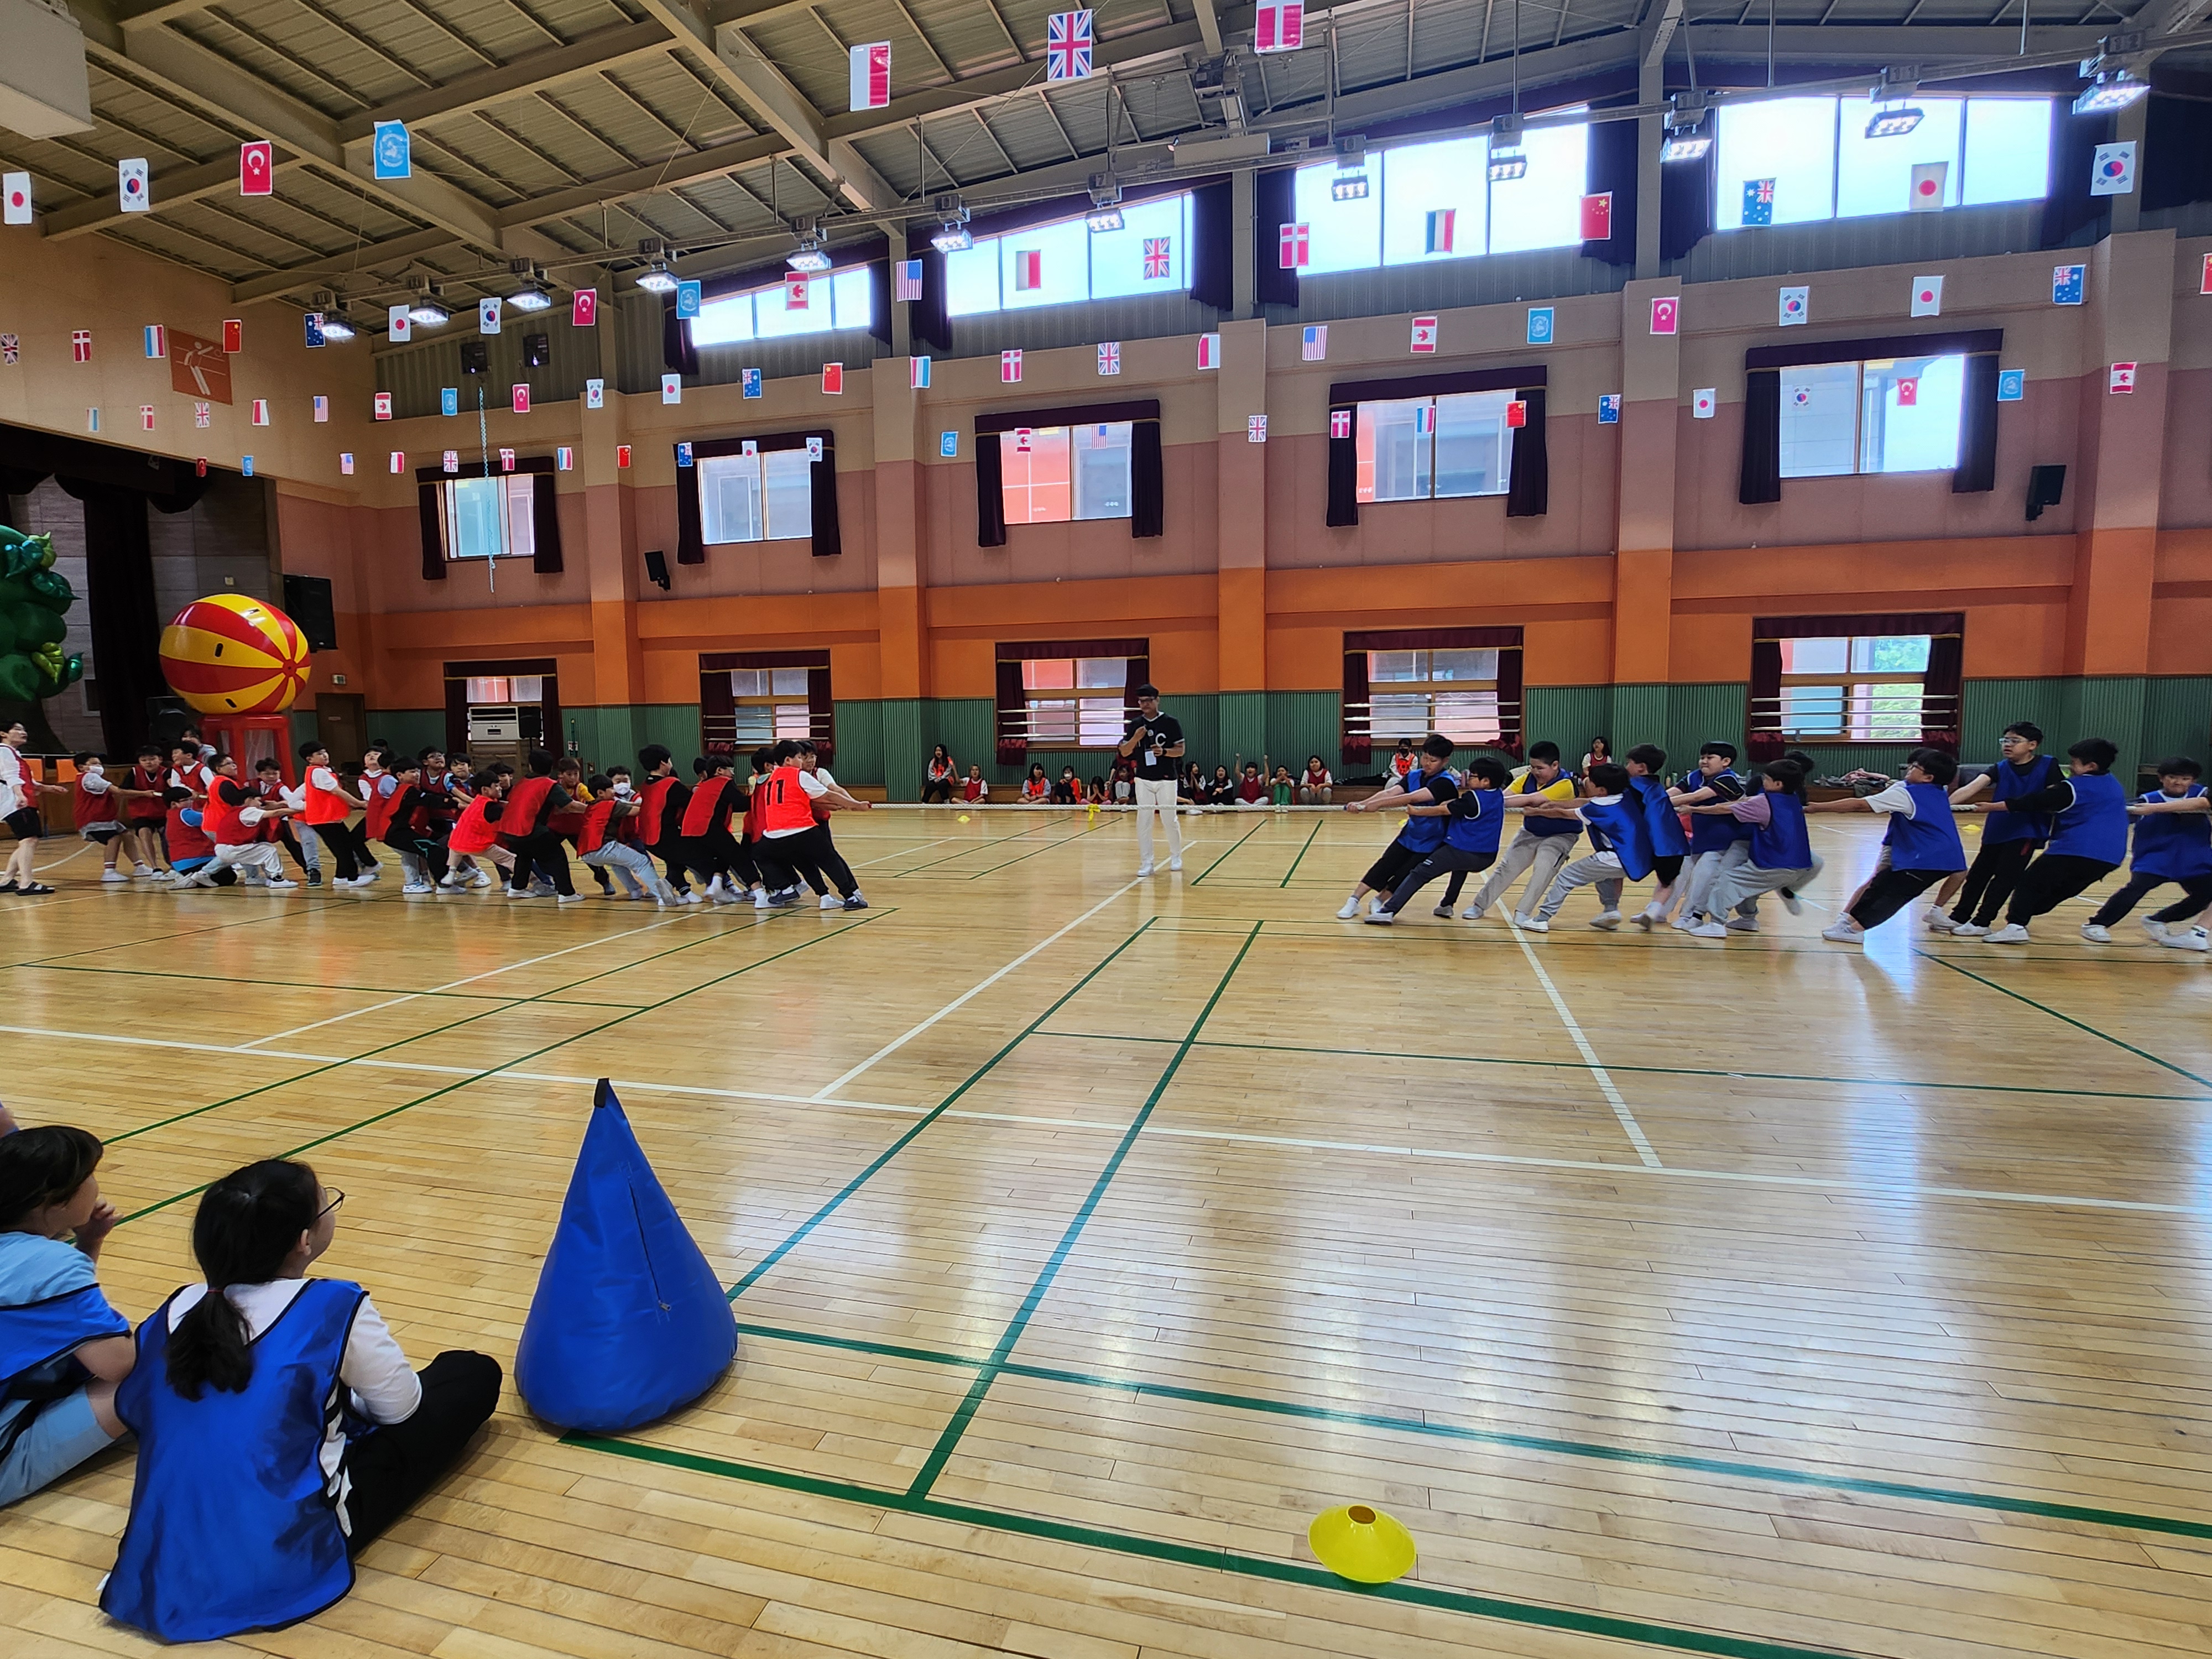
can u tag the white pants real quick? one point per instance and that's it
(254, 856)
(1156, 797)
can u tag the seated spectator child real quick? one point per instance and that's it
(1279, 790)
(940, 777)
(1036, 788)
(1315, 787)
(1123, 790)
(1096, 794)
(975, 789)
(1068, 790)
(63, 1349)
(1221, 789)
(1251, 789)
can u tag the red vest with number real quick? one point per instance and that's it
(592, 833)
(788, 807)
(327, 805)
(473, 831)
(526, 803)
(184, 841)
(648, 816)
(699, 812)
(91, 811)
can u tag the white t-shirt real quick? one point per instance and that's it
(1895, 799)
(11, 779)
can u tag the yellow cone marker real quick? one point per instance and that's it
(1362, 1544)
(963, 817)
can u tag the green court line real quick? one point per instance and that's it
(830, 1206)
(505, 1066)
(1091, 828)
(2140, 1054)
(1239, 842)
(973, 847)
(1001, 1351)
(1214, 1558)
(1595, 1451)
(1301, 858)
(280, 984)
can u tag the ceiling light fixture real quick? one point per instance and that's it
(1506, 164)
(424, 309)
(530, 292)
(1105, 213)
(809, 256)
(1686, 140)
(1687, 146)
(335, 326)
(2115, 90)
(951, 235)
(1894, 123)
(656, 278)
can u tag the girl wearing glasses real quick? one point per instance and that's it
(280, 1427)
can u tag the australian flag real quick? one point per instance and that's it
(1156, 256)
(1067, 42)
(1758, 201)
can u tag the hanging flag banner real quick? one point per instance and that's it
(1157, 262)
(795, 291)
(313, 323)
(684, 454)
(1021, 435)
(1029, 270)
(507, 460)
(1665, 313)
(1424, 418)
(92, 420)
(1294, 246)
(1339, 424)
(2204, 282)
(871, 76)
(2112, 170)
(146, 417)
(322, 408)
(1925, 194)
(948, 444)
(394, 153)
(399, 460)
(1255, 428)
(132, 192)
(750, 379)
(917, 374)
(1442, 235)
(80, 345)
(1424, 335)
(622, 455)
(564, 458)
(203, 415)
(398, 325)
(233, 335)
(451, 462)
(1704, 401)
(1597, 217)
(1209, 351)
(199, 465)
(671, 388)
(1908, 393)
(383, 405)
(748, 448)
(1928, 296)
(2067, 283)
(2012, 385)
(1009, 366)
(345, 462)
(449, 400)
(157, 340)
(1540, 324)
(11, 349)
(521, 394)
(909, 272)
(833, 379)
(488, 315)
(1796, 306)
(595, 394)
(2123, 377)
(1278, 26)
(1608, 409)
(814, 449)
(16, 197)
(1758, 201)
(1313, 344)
(1516, 412)
(246, 466)
(257, 168)
(689, 296)
(1110, 357)
(261, 412)
(1067, 45)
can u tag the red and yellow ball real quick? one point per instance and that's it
(232, 654)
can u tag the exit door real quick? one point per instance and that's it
(340, 719)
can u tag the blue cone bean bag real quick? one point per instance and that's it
(630, 1322)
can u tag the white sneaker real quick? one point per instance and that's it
(761, 900)
(512, 892)
(113, 874)
(1473, 913)
(715, 889)
(367, 875)
(1938, 922)
(572, 898)
(1350, 908)
(1144, 870)
(2193, 939)
(1742, 924)
(411, 887)
(1531, 925)
(1708, 930)
(143, 870)
(1175, 864)
(2154, 927)
(1844, 933)
(1685, 923)
(277, 884)
(2011, 934)
(480, 879)
(2095, 934)
(1607, 920)
(1381, 919)
(1648, 918)
(1791, 902)
(1968, 929)
(831, 902)
(1441, 911)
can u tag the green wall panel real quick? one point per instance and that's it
(2113, 707)
(1699, 714)
(1569, 715)
(860, 760)
(904, 747)
(605, 737)
(2177, 718)
(967, 726)
(1640, 713)
(1987, 707)
(1242, 723)
(1302, 723)
(408, 729)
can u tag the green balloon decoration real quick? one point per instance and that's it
(33, 605)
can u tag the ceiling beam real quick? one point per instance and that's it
(1885, 43)
(152, 14)
(672, 174)
(1209, 26)
(397, 252)
(171, 188)
(588, 54)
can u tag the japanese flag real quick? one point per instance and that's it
(671, 388)
(15, 196)
(257, 168)
(1703, 402)
(1278, 26)
(1209, 351)
(1926, 193)
(130, 186)
(1928, 296)
(397, 325)
(872, 75)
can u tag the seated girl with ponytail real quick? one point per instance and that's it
(280, 1428)
(63, 1349)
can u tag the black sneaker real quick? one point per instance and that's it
(856, 903)
(314, 878)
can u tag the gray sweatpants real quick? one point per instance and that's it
(1603, 868)
(1701, 874)
(1540, 855)
(1743, 882)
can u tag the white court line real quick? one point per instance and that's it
(639, 1085)
(912, 1032)
(1628, 1122)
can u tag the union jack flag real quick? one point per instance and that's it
(1067, 44)
(1156, 256)
(1110, 357)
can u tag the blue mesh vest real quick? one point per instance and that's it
(1781, 842)
(1661, 820)
(2011, 783)
(1928, 840)
(2096, 826)
(2174, 846)
(1479, 828)
(1621, 821)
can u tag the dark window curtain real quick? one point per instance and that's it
(879, 299)
(2069, 207)
(1140, 674)
(1871, 622)
(990, 498)
(1343, 469)
(1511, 711)
(1761, 480)
(1977, 430)
(1013, 745)
(1687, 189)
(1358, 749)
(434, 536)
(1528, 491)
(457, 714)
(549, 704)
(822, 712)
(1942, 685)
(1613, 167)
(1274, 198)
(1765, 700)
(126, 630)
(545, 525)
(677, 351)
(718, 708)
(821, 493)
(1147, 485)
(690, 540)
(1213, 260)
(2176, 154)
(927, 323)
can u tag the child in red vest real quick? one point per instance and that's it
(96, 807)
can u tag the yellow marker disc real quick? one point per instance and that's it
(963, 817)
(1362, 1544)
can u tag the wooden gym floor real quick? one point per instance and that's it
(1088, 1238)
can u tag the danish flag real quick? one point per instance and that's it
(1295, 242)
(1009, 366)
(1339, 424)
(80, 346)
(1067, 46)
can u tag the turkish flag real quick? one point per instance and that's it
(585, 311)
(256, 168)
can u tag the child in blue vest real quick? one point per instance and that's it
(280, 1428)
(1620, 839)
(1670, 842)
(1922, 840)
(1428, 784)
(1473, 819)
(2173, 842)
(1543, 842)
(2008, 838)
(1779, 856)
(1712, 835)
(2088, 812)
(63, 1349)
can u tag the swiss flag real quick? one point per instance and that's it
(256, 168)
(1597, 217)
(1296, 244)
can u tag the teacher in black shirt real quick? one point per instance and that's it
(1153, 745)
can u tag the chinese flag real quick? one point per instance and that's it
(1597, 217)
(233, 335)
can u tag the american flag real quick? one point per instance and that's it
(1156, 256)
(909, 279)
(80, 345)
(1009, 366)
(1099, 435)
(345, 462)
(1067, 43)
(1296, 243)
(1110, 357)
(1314, 346)
(322, 408)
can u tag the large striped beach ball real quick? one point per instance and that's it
(231, 654)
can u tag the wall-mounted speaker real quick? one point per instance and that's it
(656, 567)
(308, 602)
(475, 358)
(2046, 486)
(537, 350)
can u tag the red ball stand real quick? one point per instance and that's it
(253, 739)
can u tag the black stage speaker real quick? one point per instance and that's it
(656, 567)
(475, 358)
(308, 602)
(2047, 485)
